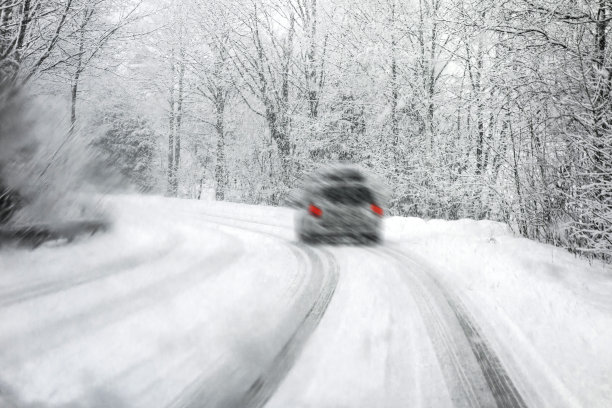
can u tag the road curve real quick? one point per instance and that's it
(49, 320)
(311, 304)
(358, 326)
(474, 375)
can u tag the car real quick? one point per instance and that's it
(338, 203)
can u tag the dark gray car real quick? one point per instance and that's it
(337, 203)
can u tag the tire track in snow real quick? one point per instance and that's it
(239, 223)
(264, 387)
(323, 282)
(19, 295)
(28, 292)
(467, 387)
(106, 312)
(128, 263)
(433, 299)
(110, 311)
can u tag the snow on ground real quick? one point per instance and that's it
(171, 296)
(371, 348)
(550, 311)
(186, 298)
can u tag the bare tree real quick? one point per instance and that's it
(264, 61)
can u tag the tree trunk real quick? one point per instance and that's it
(179, 121)
(603, 80)
(220, 176)
(521, 221)
(282, 128)
(23, 27)
(5, 31)
(76, 77)
(311, 71)
(479, 113)
(394, 95)
(87, 13)
(431, 89)
(73, 102)
(279, 133)
(171, 132)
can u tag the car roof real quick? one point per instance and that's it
(340, 173)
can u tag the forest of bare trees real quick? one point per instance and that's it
(467, 109)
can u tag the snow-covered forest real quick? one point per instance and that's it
(467, 109)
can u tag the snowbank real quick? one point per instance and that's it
(548, 312)
(409, 228)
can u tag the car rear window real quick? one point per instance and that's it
(352, 195)
(346, 175)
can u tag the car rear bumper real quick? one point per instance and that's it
(341, 238)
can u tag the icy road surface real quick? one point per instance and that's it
(195, 304)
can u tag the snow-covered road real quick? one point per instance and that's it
(191, 304)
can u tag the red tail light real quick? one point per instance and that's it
(314, 210)
(376, 209)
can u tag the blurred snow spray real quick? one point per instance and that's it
(45, 165)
